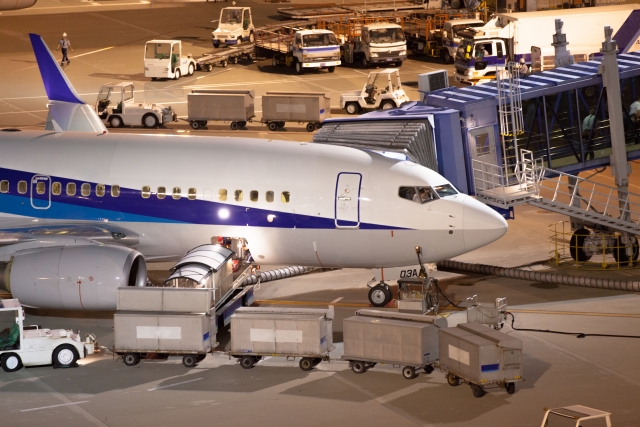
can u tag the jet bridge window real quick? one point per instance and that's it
(100, 190)
(162, 193)
(40, 187)
(85, 189)
(253, 195)
(71, 189)
(177, 193)
(4, 186)
(237, 195)
(269, 196)
(192, 194)
(417, 194)
(146, 192)
(286, 196)
(56, 188)
(115, 190)
(483, 146)
(222, 195)
(22, 187)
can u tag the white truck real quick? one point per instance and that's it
(235, 26)
(451, 38)
(382, 91)
(163, 59)
(511, 36)
(117, 107)
(303, 50)
(22, 345)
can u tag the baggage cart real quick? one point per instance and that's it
(223, 58)
(481, 357)
(282, 332)
(281, 107)
(236, 106)
(491, 314)
(403, 340)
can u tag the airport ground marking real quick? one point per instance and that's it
(53, 406)
(173, 385)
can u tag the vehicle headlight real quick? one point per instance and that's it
(374, 55)
(335, 58)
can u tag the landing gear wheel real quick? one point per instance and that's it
(299, 68)
(358, 367)
(409, 372)
(247, 362)
(131, 359)
(620, 251)
(234, 126)
(379, 296)
(65, 356)
(10, 362)
(116, 122)
(387, 105)
(195, 125)
(429, 369)
(306, 364)
(311, 127)
(273, 126)
(453, 380)
(352, 108)
(511, 388)
(331, 69)
(150, 121)
(477, 391)
(191, 70)
(176, 76)
(576, 245)
(189, 360)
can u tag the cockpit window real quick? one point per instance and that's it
(418, 194)
(445, 190)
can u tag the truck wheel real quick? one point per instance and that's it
(352, 108)
(234, 125)
(299, 67)
(365, 63)
(10, 362)
(131, 359)
(116, 122)
(65, 355)
(191, 69)
(331, 69)
(446, 57)
(358, 367)
(453, 380)
(428, 369)
(399, 64)
(311, 127)
(272, 126)
(477, 390)
(306, 364)
(195, 125)
(409, 372)
(511, 388)
(387, 105)
(379, 296)
(247, 362)
(176, 76)
(150, 121)
(189, 360)
(216, 43)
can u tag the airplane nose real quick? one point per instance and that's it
(482, 225)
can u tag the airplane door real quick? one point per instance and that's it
(347, 202)
(40, 192)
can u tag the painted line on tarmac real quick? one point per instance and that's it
(95, 51)
(53, 406)
(173, 385)
(335, 301)
(576, 313)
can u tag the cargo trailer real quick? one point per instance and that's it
(281, 107)
(235, 106)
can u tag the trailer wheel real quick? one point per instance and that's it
(358, 367)
(10, 362)
(331, 69)
(150, 121)
(477, 390)
(234, 126)
(131, 359)
(453, 380)
(379, 296)
(511, 388)
(429, 369)
(209, 67)
(247, 362)
(576, 245)
(234, 60)
(409, 372)
(316, 361)
(189, 360)
(352, 108)
(311, 127)
(195, 125)
(224, 63)
(65, 355)
(306, 364)
(272, 126)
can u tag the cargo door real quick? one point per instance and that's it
(40, 192)
(347, 200)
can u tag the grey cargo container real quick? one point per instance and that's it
(407, 340)
(236, 106)
(281, 107)
(288, 332)
(480, 356)
(175, 300)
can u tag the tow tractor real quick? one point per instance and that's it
(163, 59)
(115, 105)
(235, 26)
(383, 90)
(32, 345)
(575, 416)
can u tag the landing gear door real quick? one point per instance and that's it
(40, 192)
(347, 200)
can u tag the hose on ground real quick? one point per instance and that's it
(279, 273)
(540, 276)
(577, 334)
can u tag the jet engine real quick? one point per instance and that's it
(73, 277)
(16, 4)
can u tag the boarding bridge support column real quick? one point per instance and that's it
(562, 55)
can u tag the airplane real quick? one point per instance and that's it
(16, 4)
(82, 210)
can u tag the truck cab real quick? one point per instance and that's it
(479, 58)
(451, 39)
(315, 49)
(382, 43)
(163, 59)
(116, 106)
(235, 26)
(382, 90)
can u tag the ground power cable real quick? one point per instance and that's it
(577, 334)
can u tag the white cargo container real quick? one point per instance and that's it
(286, 332)
(405, 340)
(235, 106)
(281, 107)
(481, 357)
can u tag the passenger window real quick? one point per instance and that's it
(253, 196)
(285, 197)
(146, 192)
(115, 190)
(4, 186)
(177, 193)
(71, 189)
(237, 195)
(192, 194)
(40, 187)
(56, 188)
(222, 195)
(100, 190)
(162, 193)
(269, 196)
(85, 189)
(22, 187)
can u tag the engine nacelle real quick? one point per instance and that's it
(16, 4)
(74, 277)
